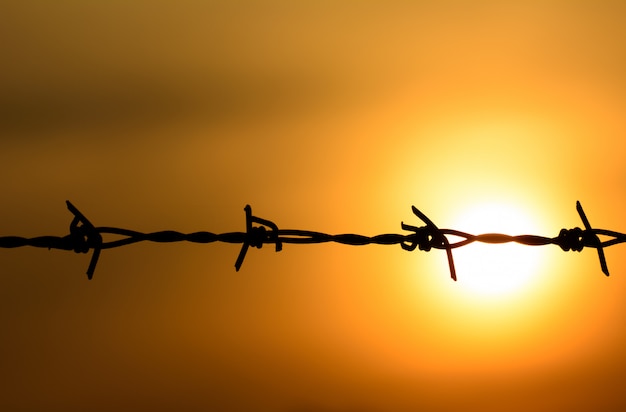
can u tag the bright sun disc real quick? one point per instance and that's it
(495, 269)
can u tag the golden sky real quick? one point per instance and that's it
(328, 116)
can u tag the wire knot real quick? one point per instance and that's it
(427, 237)
(81, 237)
(423, 238)
(84, 236)
(574, 239)
(577, 239)
(256, 236)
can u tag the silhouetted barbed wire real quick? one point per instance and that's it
(84, 237)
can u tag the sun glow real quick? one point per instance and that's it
(495, 270)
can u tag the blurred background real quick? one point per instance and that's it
(322, 115)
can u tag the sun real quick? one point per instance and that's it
(495, 270)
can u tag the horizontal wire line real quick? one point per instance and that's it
(84, 237)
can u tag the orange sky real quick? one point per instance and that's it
(329, 116)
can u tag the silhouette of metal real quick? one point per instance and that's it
(84, 236)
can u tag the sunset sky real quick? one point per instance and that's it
(334, 116)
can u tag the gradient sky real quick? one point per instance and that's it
(323, 115)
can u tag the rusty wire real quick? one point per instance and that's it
(85, 237)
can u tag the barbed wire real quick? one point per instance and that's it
(85, 237)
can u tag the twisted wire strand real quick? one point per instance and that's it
(84, 237)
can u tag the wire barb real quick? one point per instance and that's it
(428, 236)
(591, 239)
(84, 237)
(256, 236)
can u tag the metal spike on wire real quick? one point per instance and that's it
(85, 237)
